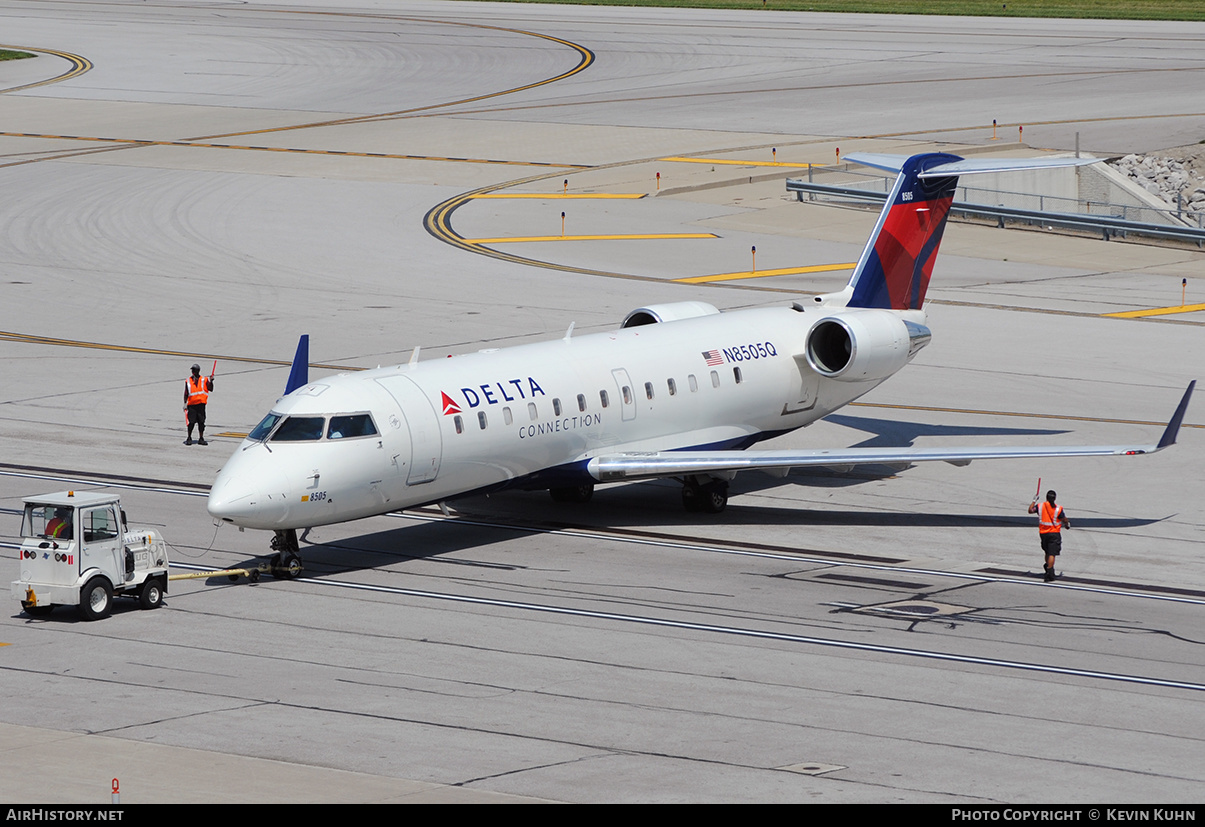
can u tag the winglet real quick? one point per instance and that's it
(1173, 425)
(299, 373)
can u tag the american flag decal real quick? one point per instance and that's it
(713, 358)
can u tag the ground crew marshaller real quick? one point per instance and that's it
(1051, 521)
(196, 394)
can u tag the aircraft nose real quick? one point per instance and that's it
(234, 500)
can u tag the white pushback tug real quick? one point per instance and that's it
(76, 550)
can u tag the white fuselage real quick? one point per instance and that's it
(534, 415)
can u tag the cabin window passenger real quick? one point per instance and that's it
(715, 379)
(694, 383)
(673, 387)
(481, 419)
(531, 411)
(736, 374)
(556, 407)
(507, 418)
(648, 389)
(299, 429)
(602, 397)
(581, 402)
(459, 424)
(351, 425)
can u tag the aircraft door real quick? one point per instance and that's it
(627, 393)
(426, 442)
(397, 452)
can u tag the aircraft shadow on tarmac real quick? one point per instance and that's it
(893, 433)
(411, 541)
(515, 515)
(640, 505)
(446, 541)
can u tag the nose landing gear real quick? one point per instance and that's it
(286, 563)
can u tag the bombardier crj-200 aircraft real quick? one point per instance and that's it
(680, 390)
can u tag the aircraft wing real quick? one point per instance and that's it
(629, 466)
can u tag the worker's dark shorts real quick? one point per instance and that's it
(196, 415)
(1052, 543)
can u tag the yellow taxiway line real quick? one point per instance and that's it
(136, 142)
(585, 59)
(730, 162)
(632, 195)
(29, 338)
(759, 274)
(79, 65)
(1156, 311)
(589, 237)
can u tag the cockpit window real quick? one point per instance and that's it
(351, 425)
(299, 429)
(261, 431)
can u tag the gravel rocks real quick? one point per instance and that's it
(1168, 172)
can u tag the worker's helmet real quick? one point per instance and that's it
(1050, 496)
(196, 368)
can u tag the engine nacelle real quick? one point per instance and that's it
(863, 345)
(670, 312)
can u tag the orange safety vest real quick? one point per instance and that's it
(1050, 518)
(197, 390)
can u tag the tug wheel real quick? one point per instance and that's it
(151, 595)
(96, 599)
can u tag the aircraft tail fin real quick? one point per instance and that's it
(895, 267)
(897, 263)
(299, 373)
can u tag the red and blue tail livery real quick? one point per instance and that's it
(895, 268)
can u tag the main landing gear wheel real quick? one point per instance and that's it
(96, 599)
(286, 563)
(573, 493)
(710, 497)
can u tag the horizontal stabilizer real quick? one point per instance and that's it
(978, 165)
(965, 166)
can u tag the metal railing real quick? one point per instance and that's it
(1110, 220)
